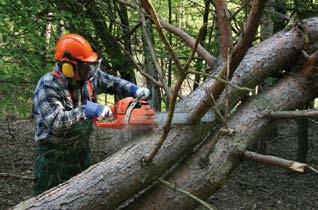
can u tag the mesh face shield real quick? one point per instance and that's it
(86, 70)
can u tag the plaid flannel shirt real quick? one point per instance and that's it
(55, 112)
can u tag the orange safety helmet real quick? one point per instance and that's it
(74, 46)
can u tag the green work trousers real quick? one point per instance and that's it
(56, 163)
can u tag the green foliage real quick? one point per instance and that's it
(26, 52)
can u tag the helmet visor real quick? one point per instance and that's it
(88, 69)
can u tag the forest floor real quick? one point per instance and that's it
(251, 186)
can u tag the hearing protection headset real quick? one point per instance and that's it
(68, 69)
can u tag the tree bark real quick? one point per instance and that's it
(203, 181)
(271, 55)
(111, 182)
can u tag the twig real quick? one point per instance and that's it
(313, 121)
(221, 80)
(202, 202)
(214, 106)
(313, 169)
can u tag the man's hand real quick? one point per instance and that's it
(92, 109)
(142, 93)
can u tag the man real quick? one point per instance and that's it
(64, 104)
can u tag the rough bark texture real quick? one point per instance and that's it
(204, 181)
(271, 55)
(111, 182)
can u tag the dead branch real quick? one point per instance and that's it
(292, 114)
(275, 161)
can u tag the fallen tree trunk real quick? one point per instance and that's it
(274, 53)
(202, 181)
(109, 183)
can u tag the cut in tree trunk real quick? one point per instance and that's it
(203, 181)
(111, 182)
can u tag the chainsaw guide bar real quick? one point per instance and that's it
(135, 112)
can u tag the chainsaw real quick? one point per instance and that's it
(136, 112)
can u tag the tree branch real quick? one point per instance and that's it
(190, 41)
(221, 80)
(292, 114)
(276, 161)
(224, 26)
(248, 34)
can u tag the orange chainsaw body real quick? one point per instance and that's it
(129, 111)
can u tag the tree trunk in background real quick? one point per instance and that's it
(151, 69)
(199, 62)
(203, 180)
(48, 32)
(119, 60)
(267, 26)
(111, 182)
(123, 15)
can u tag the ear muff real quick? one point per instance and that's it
(68, 70)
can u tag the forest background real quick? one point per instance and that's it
(29, 30)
